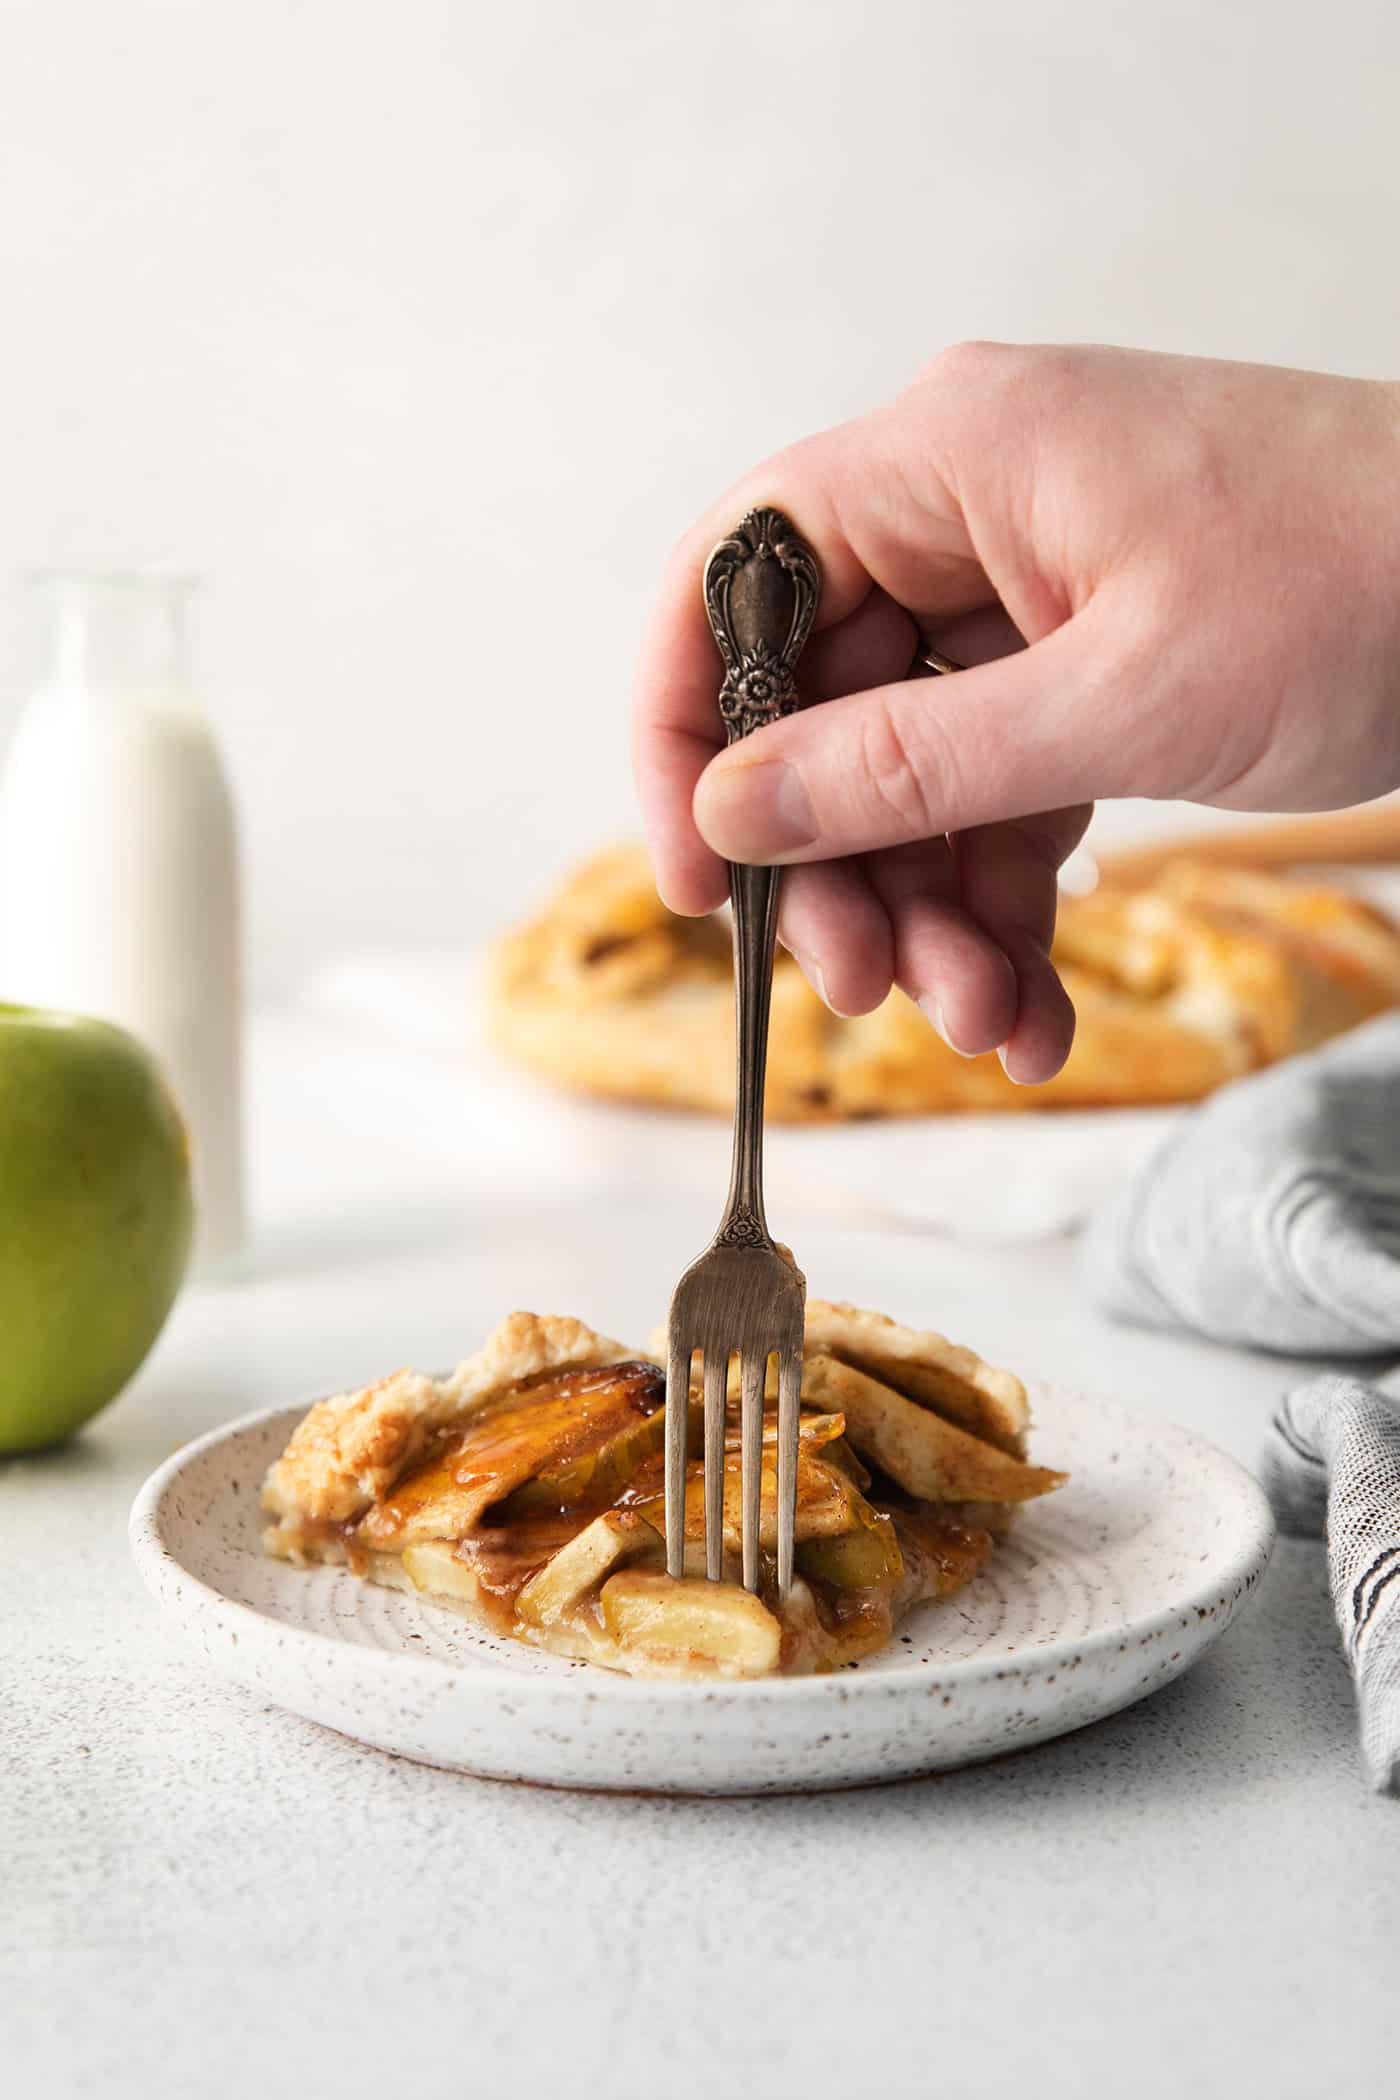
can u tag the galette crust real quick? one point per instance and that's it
(943, 1375)
(350, 1449)
(1179, 985)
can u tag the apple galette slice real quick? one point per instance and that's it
(526, 1491)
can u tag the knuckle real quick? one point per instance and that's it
(786, 477)
(1034, 383)
(801, 461)
(895, 774)
(1043, 848)
(973, 361)
(1002, 393)
(988, 372)
(1029, 924)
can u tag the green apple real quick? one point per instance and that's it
(95, 1218)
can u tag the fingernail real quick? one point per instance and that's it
(1001, 1053)
(933, 1014)
(754, 811)
(812, 971)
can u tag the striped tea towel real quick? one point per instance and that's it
(1333, 1465)
(1271, 1218)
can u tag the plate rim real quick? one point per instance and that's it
(160, 1569)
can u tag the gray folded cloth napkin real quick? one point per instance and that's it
(1271, 1218)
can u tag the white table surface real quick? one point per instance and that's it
(203, 1895)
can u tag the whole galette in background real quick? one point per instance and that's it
(1180, 983)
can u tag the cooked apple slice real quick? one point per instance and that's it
(689, 1624)
(813, 1432)
(598, 1474)
(828, 1500)
(617, 1536)
(932, 1458)
(557, 1428)
(434, 1571)
(867, 1559)
(843, 1454)
(926, 1367)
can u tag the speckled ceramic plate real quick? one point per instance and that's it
(1104, 1593)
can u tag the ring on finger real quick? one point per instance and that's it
(930, 662)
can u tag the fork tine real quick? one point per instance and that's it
(677, 1423)
(753, 1371)
(789, 1395)
(716, 1385)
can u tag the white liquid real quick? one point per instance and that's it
(119, 898)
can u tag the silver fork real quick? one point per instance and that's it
(742, 1297)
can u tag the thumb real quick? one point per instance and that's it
(1028, 732)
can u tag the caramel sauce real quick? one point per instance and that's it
(649, 1480)
(606, 944)
(952, 1549)
(355, 1554)
(314, 1534)
(861, 1620)
(541, 1433)
(504, 1557)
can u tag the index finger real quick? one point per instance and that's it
(866, 527)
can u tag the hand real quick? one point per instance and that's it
(1174, 577)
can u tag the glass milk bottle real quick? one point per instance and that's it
(118, 865)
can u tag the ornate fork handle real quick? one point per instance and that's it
(762, 585)
(753, 893)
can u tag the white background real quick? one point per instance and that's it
(424, 327)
